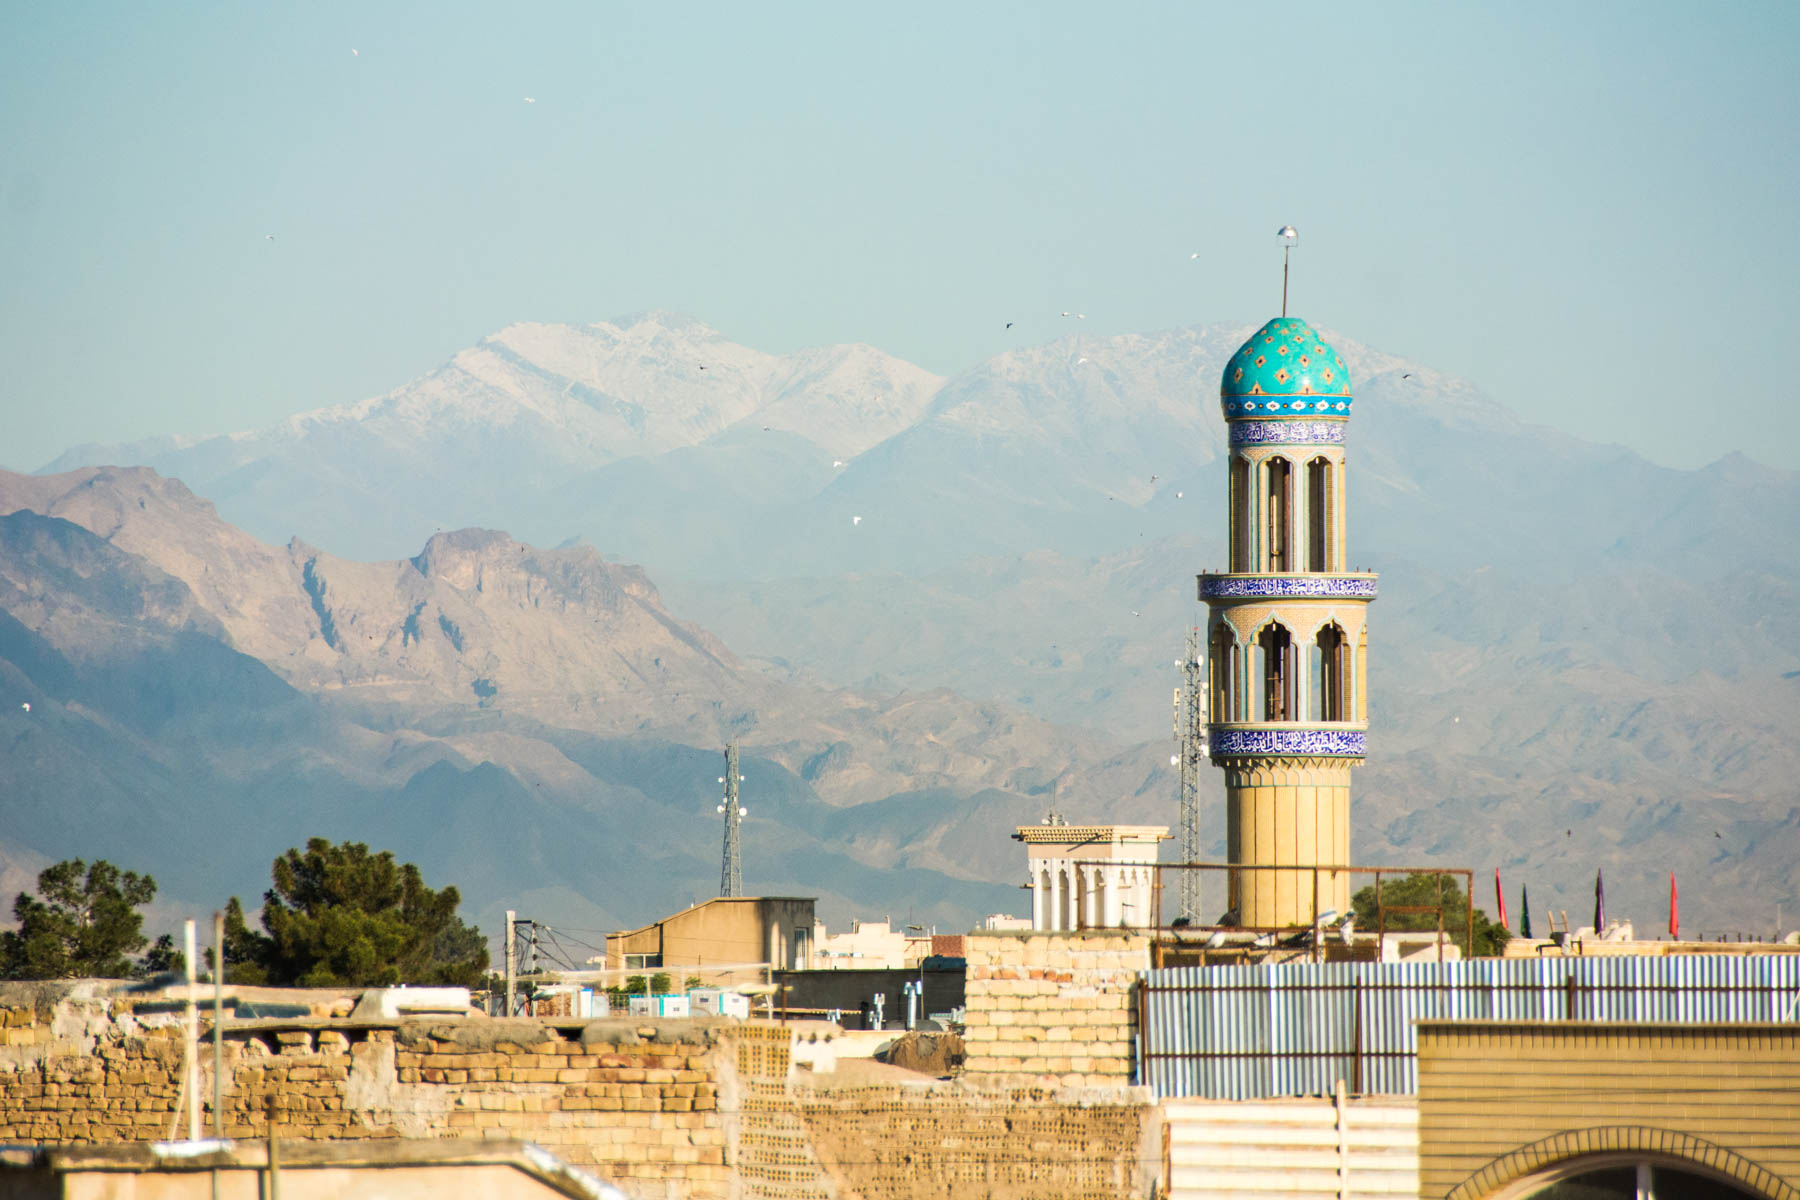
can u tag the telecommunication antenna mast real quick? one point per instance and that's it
(731, 865)
(1190, 736)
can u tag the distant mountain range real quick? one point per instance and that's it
(1579, 659)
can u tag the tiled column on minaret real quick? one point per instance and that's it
(1286, 630)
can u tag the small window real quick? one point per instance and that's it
(639, 962)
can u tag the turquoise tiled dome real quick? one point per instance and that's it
(1285, 370)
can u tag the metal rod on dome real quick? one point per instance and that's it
(1289, 238)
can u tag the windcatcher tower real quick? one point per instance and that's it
(1287, 648)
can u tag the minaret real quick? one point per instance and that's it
(1287, 647)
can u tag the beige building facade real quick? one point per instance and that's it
(1638, 1111)
(727, 930)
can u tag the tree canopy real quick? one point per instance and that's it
(339, 915)
(1422, 889)
(84, 923)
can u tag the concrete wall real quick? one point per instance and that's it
(1366, 1147)
(303, 1171)
(1053, 1007)
(1502, 1101)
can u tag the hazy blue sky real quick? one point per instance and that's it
(1589, 210)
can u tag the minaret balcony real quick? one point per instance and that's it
(1287, 739)
(1243, 585)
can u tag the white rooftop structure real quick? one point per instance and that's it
(1091, 876)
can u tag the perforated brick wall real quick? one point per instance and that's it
(947, 1141)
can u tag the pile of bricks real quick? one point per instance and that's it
(1053, 1007)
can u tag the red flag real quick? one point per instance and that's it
(1500, 900)
(1674, 909)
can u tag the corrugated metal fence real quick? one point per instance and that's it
(1295, 1029)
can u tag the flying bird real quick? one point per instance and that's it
(856, 520)
(1194, 255)
(27, 707)
(531, 99)
(1009, 324)
(1178, 495)
(1408, 375)
(353, 53)
(1079, 361)
(270, 236)
(837, 462)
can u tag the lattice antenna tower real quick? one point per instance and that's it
(731, 862)
(1190, 737)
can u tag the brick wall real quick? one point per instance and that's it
(945, 1141)
(1053, 1007)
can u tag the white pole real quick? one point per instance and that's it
(511, 918)
(190, 1065)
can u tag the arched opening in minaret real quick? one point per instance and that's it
(1280, 514)
(1328, 663)
(1240, 513)
(1221, 662)
(1275, 667)
(1319, 517)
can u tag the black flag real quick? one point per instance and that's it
(1524, 911)
(1599, 903)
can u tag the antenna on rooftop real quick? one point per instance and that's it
(731, 865)
(1290, 237)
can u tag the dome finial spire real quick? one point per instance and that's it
(1290, 237)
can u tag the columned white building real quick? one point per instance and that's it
(1091, 876)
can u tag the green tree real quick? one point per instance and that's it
(84, 922)
(339, 915)
(661, 982)
(1422, 889)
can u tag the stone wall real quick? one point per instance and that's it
(710, 1111)
(1053, 1007)
(635, 1103)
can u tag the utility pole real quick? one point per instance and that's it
(731, 864)
(511, 918)
(1190, 733)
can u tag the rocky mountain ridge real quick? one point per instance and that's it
(1568, 637)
